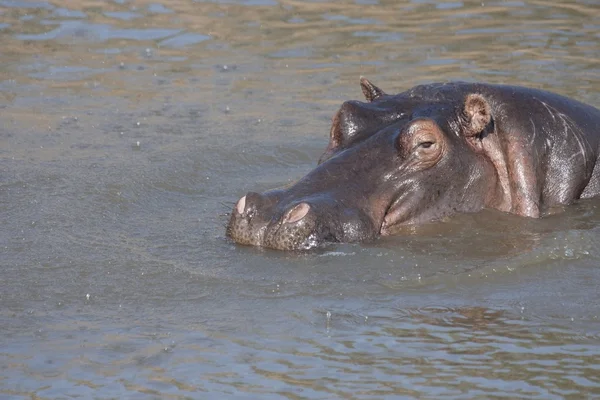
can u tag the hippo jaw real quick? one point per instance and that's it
(302, 225)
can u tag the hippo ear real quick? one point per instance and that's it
(477, 113)
(370, 91)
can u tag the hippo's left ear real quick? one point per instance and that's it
(370, 91)
(477, 113)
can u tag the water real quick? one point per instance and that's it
(129, 130)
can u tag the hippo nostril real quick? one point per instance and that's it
(296, 213)
(241, 205)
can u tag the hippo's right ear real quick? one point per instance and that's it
(370, 91)
(477, 115)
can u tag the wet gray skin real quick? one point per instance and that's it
(425, 154)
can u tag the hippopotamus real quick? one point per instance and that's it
(428, 153)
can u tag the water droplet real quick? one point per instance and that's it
(569, 252)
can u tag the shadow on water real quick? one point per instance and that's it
(130, 128)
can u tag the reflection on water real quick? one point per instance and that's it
(128, 130)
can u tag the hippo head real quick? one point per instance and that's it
(394, 160)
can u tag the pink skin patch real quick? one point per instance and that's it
(241, 205)
(296, 213)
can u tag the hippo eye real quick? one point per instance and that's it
(426, 145)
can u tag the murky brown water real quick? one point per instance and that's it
(130, 128)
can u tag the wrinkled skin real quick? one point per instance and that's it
(427, 153)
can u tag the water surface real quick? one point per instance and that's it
(130, 128)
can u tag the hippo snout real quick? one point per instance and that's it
(257, 220)
(267, 220)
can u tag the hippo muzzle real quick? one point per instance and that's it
(300, 224)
